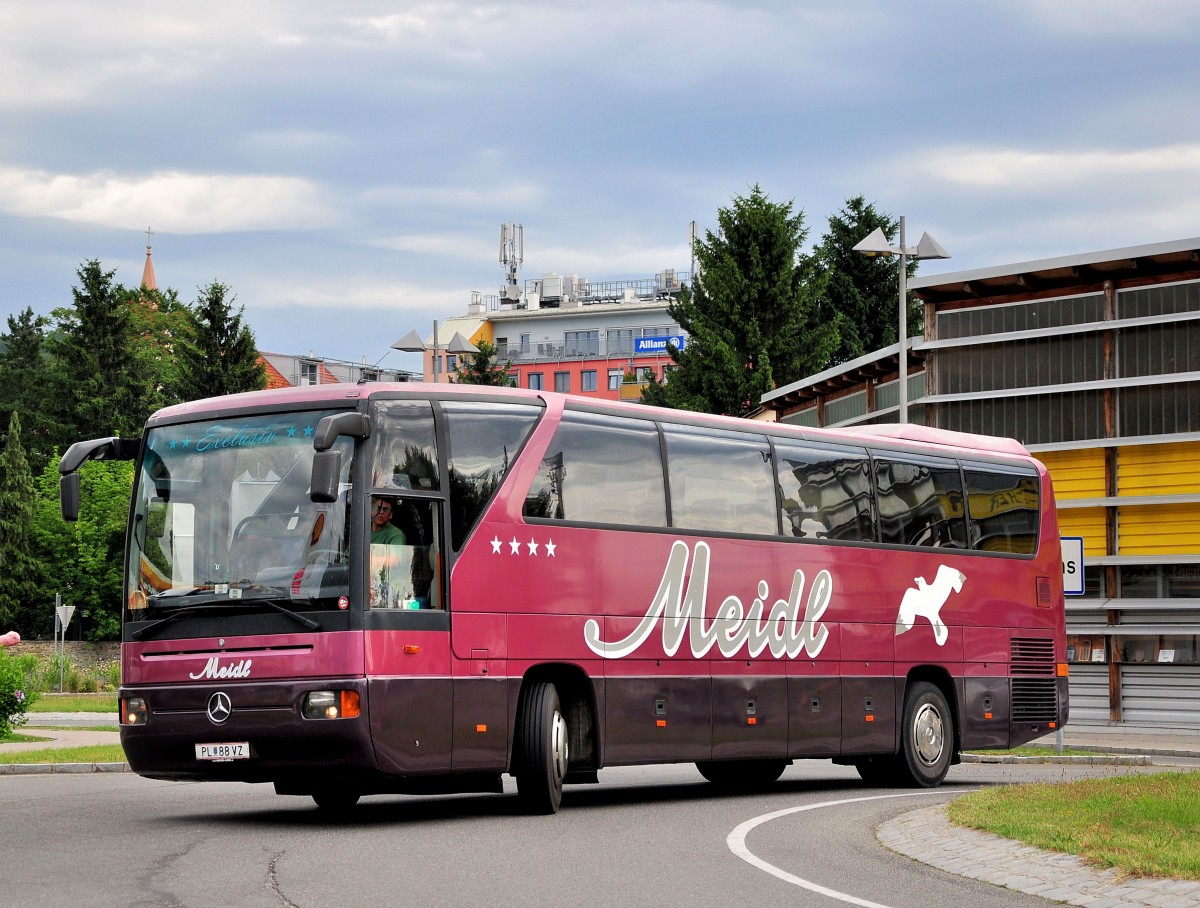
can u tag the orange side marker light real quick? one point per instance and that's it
(661, 723)
(481, 728)
(411, 649)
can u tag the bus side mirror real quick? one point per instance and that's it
(68, 497)
(352, 424)
(326, 473)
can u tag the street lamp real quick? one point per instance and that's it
(876, 244)
(412, 343)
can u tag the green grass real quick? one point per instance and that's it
(1028, 751)
(15, 738)
(75, 703)
(1142, 825)
(98, 753)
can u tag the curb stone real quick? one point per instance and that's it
(1084, 759)
(29, 769)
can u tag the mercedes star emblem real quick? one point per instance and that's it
(219, 707)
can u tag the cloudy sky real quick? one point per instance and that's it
(346, 167)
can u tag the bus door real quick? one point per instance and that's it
(408, 636)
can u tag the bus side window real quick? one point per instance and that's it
(484, 441)
(406, 453)
(1005, 510)
(824, 494)
(721, 481)
(408, 575)
(601, 469)
(921, 503)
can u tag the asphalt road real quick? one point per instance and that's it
(644, 836)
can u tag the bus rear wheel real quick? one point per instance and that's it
(742, 775)
(540, 749)
(927, 738)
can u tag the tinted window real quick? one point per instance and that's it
(484, 439)
(1005, 510)
(721, 481)
(825, 494)
(601, 469)
(921, 502)
(405, 452)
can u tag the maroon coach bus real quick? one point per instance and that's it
(419, 588)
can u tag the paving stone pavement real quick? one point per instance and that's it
(927, 835)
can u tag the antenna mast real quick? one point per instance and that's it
(512, 255)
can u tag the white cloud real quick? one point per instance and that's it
(1026, 169)
(1111, 18)
(173, 201)
(352, 295)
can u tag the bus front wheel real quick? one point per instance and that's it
(927, 740)
(541, 749)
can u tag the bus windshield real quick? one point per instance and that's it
(222, 516)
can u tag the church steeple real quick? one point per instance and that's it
(148, 280)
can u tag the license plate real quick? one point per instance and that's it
(221, 753)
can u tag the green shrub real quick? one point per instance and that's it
(16, 693)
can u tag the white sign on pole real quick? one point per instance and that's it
(1072, 561)
(64, 613)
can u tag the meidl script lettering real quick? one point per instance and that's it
(212, 670)
(734, 626)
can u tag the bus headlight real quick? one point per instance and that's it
(330, 704)
(134, 711)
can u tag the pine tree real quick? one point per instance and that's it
(26, 369)
(860, 296)
(18, 566)
(103, 385)
(750, 316)
(220, 357)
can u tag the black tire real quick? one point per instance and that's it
(742, 775)
(540, 749)
(335, 801)
(927, 736)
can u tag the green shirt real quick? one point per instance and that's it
(389, 535)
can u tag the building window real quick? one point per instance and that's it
(646, 373)
(451, 362)
(562, 381)
(310, 373)
(524, 343)
(614, 379)
(535, 381)
(620, 341)
(582, 343)
(588, 380)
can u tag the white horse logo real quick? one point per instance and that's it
(927, 599)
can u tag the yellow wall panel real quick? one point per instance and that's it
(1172, 529)
(1075, 474)
(1085, 522)
(1172, 469)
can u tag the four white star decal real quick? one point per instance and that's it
(532, 546)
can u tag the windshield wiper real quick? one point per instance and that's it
(183, 611)
(269, 601)
(228, 605)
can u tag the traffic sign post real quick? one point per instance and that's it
(1072, 565)
(62, 617)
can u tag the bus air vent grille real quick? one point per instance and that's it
(1034, 700)
(1032, 656)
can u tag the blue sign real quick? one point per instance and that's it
(652, 345)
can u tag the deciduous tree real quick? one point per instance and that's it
(482, 368)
